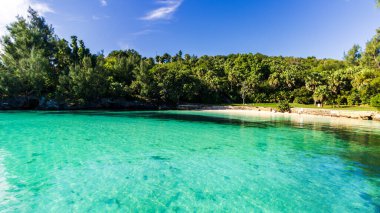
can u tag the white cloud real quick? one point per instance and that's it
(41, 8)
(164, 12)
(96, 18)
(143, 32)
(9, 9)
(103, 3)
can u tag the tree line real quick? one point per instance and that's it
(35, 62)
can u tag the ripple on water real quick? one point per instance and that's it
(185, 161)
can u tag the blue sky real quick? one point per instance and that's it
(321, 28)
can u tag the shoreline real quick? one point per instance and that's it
(124, 105)
(349, 114)
(301, 120)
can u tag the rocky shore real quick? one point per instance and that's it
(22, 103)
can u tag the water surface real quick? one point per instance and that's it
(95, 161)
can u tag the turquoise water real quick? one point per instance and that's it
(186, 161)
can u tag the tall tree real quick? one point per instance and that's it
(353, 56)
(29, 56)
(371, 55)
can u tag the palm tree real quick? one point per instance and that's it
(313, 81)
(320, 94)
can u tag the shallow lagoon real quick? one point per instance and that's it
(185, 161)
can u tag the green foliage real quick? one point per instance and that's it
(36, 62)
(375, 101)
(321, 93)
(371, 55)
(342, 100)
(28, 58)
(30, 78)
(284, 106)
(302, 96)
(353, 99)
(353, 55)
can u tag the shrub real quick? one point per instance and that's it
(303, 100)
(284, 106)
(342, 100)
(259, 98)
(302, 96)
(375, 101)
(353, 99)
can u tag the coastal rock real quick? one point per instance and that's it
(117, 104)
(366, 117)
(363, 115)
(42, 103)
(166, 107)
(4, 105)
(22, 103)
(376, 117)
(52, 105)
(128, 105)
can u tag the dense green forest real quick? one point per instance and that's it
(36, 63)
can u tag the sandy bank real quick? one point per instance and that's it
(361, 115)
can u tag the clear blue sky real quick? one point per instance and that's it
(321, 28)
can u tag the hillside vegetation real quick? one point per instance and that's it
(36, 63)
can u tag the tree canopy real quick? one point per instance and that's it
(37, 63)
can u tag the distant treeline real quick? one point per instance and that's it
(37, 63)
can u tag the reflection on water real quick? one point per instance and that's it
(369, 157)
(344, 132)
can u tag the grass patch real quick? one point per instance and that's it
(311, 106)
(273, 105)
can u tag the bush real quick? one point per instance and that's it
(353, 99)
(259, 98)
(303, 100)
(342, 100)
(284, 106)
(302, 96)
(375, 101)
